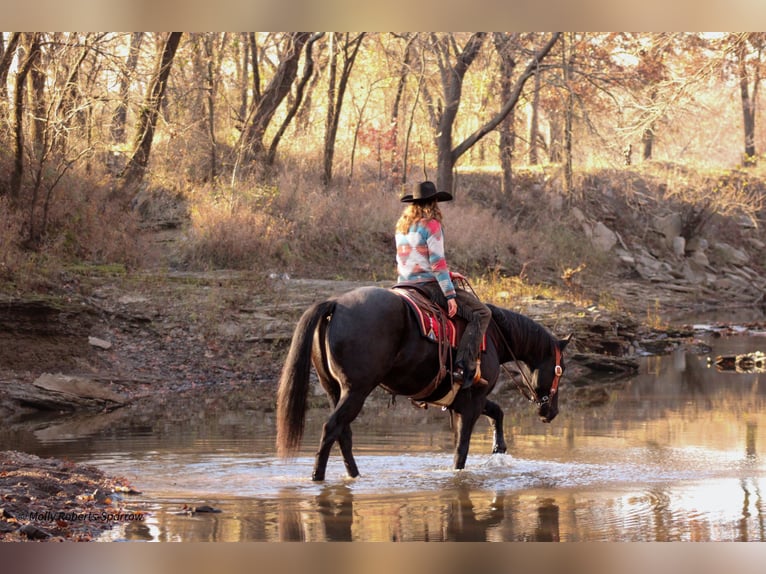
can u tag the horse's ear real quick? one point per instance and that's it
(565, 341)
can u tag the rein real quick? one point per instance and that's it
(527, 389)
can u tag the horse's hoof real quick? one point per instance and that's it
(498, 450)
(317, 477)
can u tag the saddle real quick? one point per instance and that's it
(435, 325)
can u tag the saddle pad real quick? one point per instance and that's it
(428, 321)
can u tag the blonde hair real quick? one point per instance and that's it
(417, 211)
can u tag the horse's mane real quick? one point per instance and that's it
(527, 336)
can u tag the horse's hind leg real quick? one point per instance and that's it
(337, 429)
(332, 388)
(345, 448)
(495, 414)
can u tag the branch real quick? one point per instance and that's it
(471, 140)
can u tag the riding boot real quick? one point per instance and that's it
(466, 373)
(468, 350)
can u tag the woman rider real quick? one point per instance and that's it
(420, 259)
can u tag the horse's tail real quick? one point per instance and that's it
(294, 382)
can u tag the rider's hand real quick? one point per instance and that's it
(451, 307)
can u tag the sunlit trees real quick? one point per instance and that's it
(234, 106)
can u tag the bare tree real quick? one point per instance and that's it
(32, 54)
(749, 50)
(121, 112)
(5, 63)
(251, 146)
(400, 85)
(308, 70)
(444, 112)
(504, 47)
(509, 104)
(147, 119)
(349, 48)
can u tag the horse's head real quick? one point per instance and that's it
(547, 377)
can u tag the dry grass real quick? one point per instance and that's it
(511, 247)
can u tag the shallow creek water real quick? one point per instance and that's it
(676, 453)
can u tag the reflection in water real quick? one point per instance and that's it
(335, 505)
(460, 515)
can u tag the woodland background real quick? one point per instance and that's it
(287, 151)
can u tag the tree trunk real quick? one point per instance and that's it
(17, 175)
(251, 146)
(534, 122)
(567, 54)
(147, 119)
(120, 117)
(748, 105)
(329, 137)
(506, 127)
(243, 73)
(308, 70)
(556, 138)
(396, 164)
(452, 86)
(39, 108)
(647, 143)
(335, 97)
(210, 104)
(5, 63)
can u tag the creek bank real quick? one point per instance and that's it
(48, 499)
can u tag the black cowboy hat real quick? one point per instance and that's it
(425, 191)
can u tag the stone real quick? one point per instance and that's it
(77, 387)
(99, 343)
(603, 238)
(725, 253)
(679, 245)
(669, 226)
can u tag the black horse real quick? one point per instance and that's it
(369, 337)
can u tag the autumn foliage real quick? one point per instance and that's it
(289, 150)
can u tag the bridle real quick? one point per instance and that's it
(526, 387)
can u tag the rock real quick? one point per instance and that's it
(679, 245)
(700, 258)
(696, 244)
(606, 363)
(64, 393)
(99, 343)
(603, 238)
(669, 226)
(725, 253)
(34, 533)
(693, 273)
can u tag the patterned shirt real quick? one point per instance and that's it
(420, 255)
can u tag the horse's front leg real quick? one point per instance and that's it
(463, 430)
(495, 415)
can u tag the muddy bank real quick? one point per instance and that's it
(47, 499)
